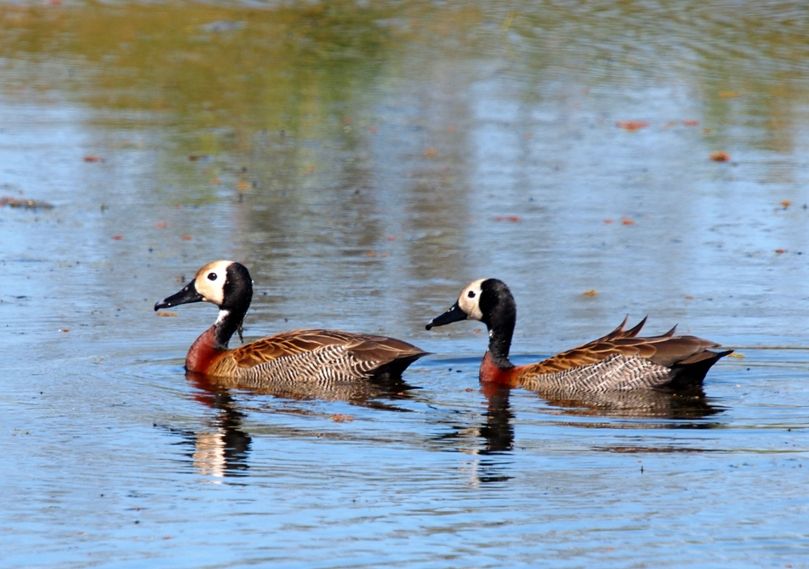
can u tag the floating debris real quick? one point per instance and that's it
(632, 125)
(508, 218)
(341, 418)
(24, 203)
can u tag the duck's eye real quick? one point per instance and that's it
(212, 276)
(471, 294)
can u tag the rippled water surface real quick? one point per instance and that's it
(366, 160)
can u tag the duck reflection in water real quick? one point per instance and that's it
(651, 403)
(495, 434)
(222, 447)
(491, 439)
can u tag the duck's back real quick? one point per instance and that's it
(622, 361)
(319, 356)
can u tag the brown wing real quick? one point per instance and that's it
(363, 347)
(666, 349)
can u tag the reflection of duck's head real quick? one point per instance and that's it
(324, 356)
(621, 360)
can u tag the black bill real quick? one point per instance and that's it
(454, 314)
(187, 294)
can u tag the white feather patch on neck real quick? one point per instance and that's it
(222, 315)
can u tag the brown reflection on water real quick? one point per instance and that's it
(361, 393)
(633, 404)
(222, 445)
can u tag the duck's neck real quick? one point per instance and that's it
(501, 330)
(227, 323)
(213, 341)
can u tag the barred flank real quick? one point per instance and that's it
(322, 366)
(616, 373)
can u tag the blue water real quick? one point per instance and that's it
(365, 163)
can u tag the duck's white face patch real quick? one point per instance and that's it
(210, 281)
(469, 299)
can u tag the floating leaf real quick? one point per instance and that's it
(627, 221)
(24, 203)
(719, 156)
(632, 125)
(341, 418)
(590, 293)
(92, 158)
(508, 218)
(785, 203)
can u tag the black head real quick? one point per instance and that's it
(486, 300)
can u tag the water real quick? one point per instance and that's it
(366, 161)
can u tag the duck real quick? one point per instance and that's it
(618, 361)
(316, 356)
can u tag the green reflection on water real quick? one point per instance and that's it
(274, 68)
(237, 80)
(308, 68)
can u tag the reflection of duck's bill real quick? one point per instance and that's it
(454, 314)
